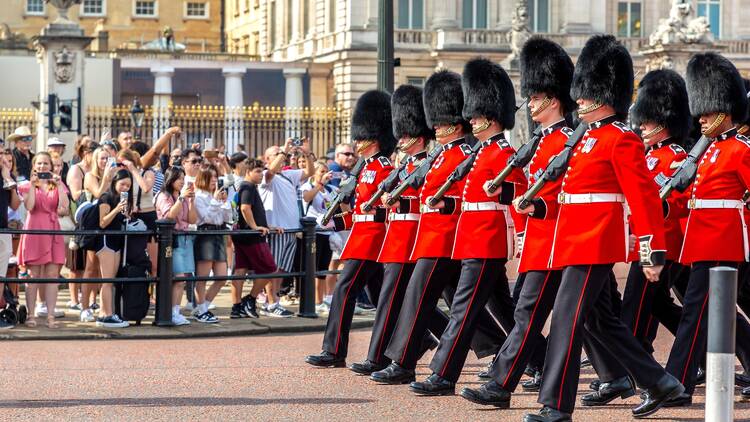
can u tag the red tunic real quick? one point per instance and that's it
(723, 173)
(610, 159)
(437, 230)
(367, 236)
(399, 239)
(660, 161)
(484, 234)
(540, 226)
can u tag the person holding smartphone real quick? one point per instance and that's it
(43, 255)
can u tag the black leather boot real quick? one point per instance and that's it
(683, 400)
(367, 367)
(488, 394)
(485, 373)
(595, 384)
(533, 385)
(434, 385)
(326, 360)
(393, 374)
(608, 391)
(548, 414)
(655, 397)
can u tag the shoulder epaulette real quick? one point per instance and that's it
(677, 149)
(743, 139)
(384, 161)
(466, 149)
(622, 126)
(566, 130)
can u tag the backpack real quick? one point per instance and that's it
(87, 218)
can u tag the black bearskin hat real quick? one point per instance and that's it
(372, 120)
(715, 86)
(547, 68)
(443, 99)
(747, 89)
(662, 99)
(408, 113)
(604, 73)
(488, 92)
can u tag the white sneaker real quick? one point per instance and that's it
(358, 310)
(87, 316)
(40, 310)
(179, 319)
(211, 306)
(322, 309)
(59, 313)
(188, 306)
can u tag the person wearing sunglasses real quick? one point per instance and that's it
(191, 162)
(22, 137)
(343, 162)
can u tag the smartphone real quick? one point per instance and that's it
(44, 175)
(111, 161)
(208, 144)
(124, 197)
(220, 184)
(189, 185)
(296, 142)
(337, 175)
(210, 153)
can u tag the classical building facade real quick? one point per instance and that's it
(126, 24)
(337, 38)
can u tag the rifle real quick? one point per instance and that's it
(345, 190)
(385, 186)
(419, 173)
(456, 175)
(519, 159)
(685, 173)
(557, 167)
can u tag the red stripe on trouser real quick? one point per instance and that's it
(695, 337)
(466, 313)
(528, 328)
(343, 306)
(572, 335)
(390, 305)
(640, 307)
(416, 314)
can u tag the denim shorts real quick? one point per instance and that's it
(183, 260)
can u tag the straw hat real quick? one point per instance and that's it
(21, 133)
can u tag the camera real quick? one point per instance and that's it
(297, 142)
(44, 175)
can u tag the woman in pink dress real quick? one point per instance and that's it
(43, 255)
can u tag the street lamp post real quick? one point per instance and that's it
(136, 118)
(385, 45)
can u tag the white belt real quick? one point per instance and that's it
(424, 209)
(403, 217)
(483, 206)
(589, 198)
(358, 218)
(695, 204)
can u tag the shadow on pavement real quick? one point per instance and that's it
(175, 402)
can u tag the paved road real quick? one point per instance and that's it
(247, 378)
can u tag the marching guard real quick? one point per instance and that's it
(607, 168)
(546, 74)
(373, 136)
(481, 242)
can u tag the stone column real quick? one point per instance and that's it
(444, 14)
(293, 99)
(577, 17)
(162, 98)
(372, 14)
(296, 22)
(319, 95)
(233, 102)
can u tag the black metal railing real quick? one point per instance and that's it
(164, 277)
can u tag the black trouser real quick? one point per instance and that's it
(540, 349)
(480, 279)
(356, 275)
(690, 342)
(743, 284)
(645, 303)
(533, 305)
(395, 280)
(430, 279)
(585, 296)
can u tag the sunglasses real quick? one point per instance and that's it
(347, 154)
(26, 138)
(175, 157)
(196, 161)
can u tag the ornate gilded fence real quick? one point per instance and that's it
(11, 118)
(252, 128)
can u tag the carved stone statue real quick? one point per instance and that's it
(64, 65)
(519, 30)
(62, 8)
(10, 39)
(681, 27)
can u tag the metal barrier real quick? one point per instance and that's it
(722, 312)
(165, 233)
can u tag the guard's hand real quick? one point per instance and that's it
(516, 205)
(652, 273)
(632, 241)
(345, 207)
(440, 205)
(486, 188)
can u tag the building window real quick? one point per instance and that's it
(711, 9)
(272, 25)
(539, 13)
(35, 7)
(629, 19)
(475, 14)
(415, 80)
(92, 8)
(411, 14)
(331, 15)
(145, 8)
(196, 10)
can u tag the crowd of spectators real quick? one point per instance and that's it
(200, 188)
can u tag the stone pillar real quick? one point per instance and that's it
(319, 94)
(293, 99)
(296, 22)
(372, 14)
(162, 98)
(233, 102)
(60, 53)
(577, 17)
(444, 14)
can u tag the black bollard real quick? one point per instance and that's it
(722, 311)
(164, 235)
(309, 261)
